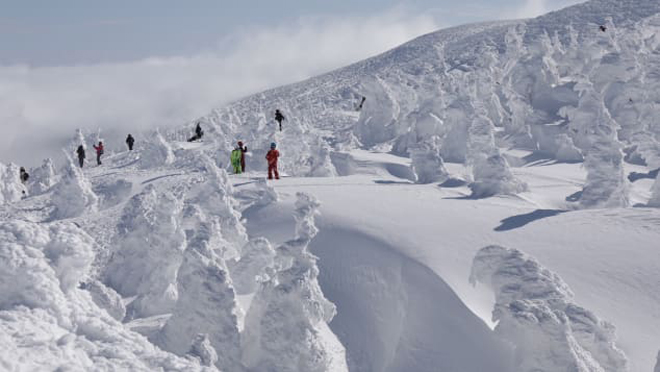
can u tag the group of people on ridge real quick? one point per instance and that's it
(100, 150)
(238, 159)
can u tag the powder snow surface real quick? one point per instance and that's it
(491, 207)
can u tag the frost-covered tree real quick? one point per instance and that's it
(283, 325)
(11, 187)
(206, 304)
(606, 185)
(149, 251)
(42, 178)
(40, 271)
(655, 193)
(255, 266)
(156, 153)
(427, 164)
(534, 311)
(490, 170)
(72, 195)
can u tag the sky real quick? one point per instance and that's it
(120, 66)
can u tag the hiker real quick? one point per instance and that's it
(603, 28)
(81, 155)
(361, 103)
(272, 156)
(99, 152)
(198, 133)
(24, 175)
(279, 117)
(130, 141)
(243, 149)
(235, 159)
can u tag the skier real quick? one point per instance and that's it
(81, 155)
(24, 175)
(603, 28)
(198, 133)
(272, 157)
(361, 103)
(243, 149)
(236, 160)
(130, 141)
(279, 117)
(99, 152)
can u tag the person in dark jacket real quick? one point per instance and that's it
(99, 152)
(24, 175)
(279, 117)
(81, 155)
(198, 133)
(130, 141)
(243, 149)
(361, 103)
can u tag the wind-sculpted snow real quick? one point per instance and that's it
(47, 322)
(11, 188)
(534, 310)
(427, 163)
(156, 153)
(284, 328)
(206, 304)
(72, 195)
(150, 246)
(42, 178)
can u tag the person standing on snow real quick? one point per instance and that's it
(243, 149)
(130, 141)
(279, 117)
(359, 108)
(198, 133)
(235, 159)
(24, 175)
(99, 152)
(81, 155)
(272, 157)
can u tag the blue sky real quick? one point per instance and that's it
(46, 32)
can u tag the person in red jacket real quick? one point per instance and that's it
(272, 156)
(99, 152)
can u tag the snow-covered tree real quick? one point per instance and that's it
(72, 195)
(42, 178)
(156, 153)
(282, 327)
(490, 170)
(427, 163)
(11, 187)
(655, 193)
(149, 251)
(534, 311)
(206, 304)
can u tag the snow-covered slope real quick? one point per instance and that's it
(522, 134)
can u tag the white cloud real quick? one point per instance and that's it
(41, 107)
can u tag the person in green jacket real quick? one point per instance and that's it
(236, 160)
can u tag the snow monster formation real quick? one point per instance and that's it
(535, 312)
(43, 306)
(286, 326)
(73, 195)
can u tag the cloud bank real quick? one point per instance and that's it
(40, 108)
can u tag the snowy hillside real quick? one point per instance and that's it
(492, 207)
